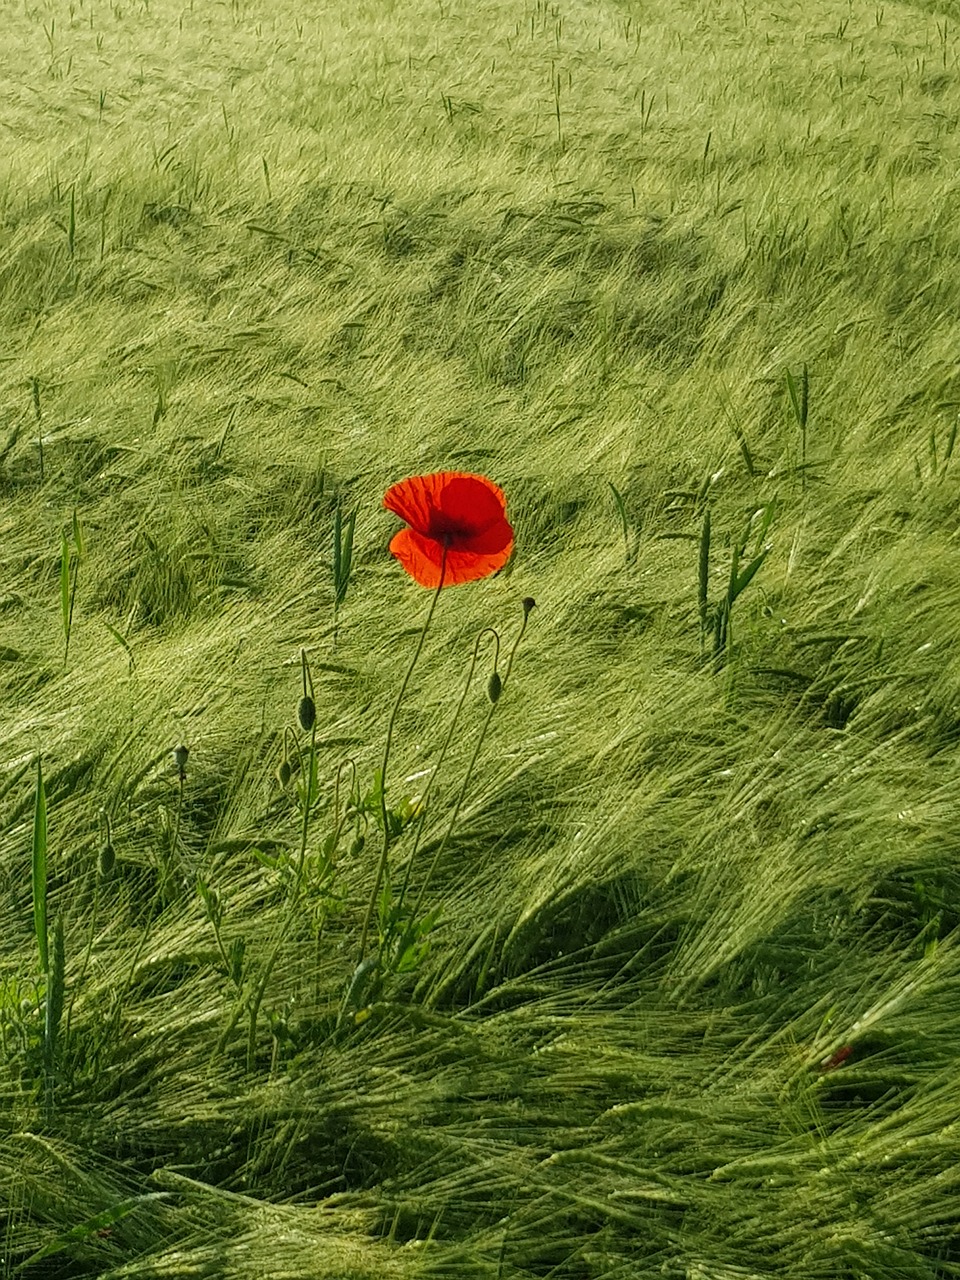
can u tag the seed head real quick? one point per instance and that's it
(307, 713)
(528, 604)
(180, 756)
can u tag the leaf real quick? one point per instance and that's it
(236, 955)
(99, 1221)
(347, 557)
(39, 869)
(78, 534)
(342, 552)
(54, 997)
(65, 583)
(120, 640)
(794, 397)
(337, 545)
(744, 579)
(703, 580)
(767, 513)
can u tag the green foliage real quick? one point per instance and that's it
(665, 978)
(54, 996)
(69, 577)
(343, 530)
(38, 863)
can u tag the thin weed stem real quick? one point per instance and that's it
(443, 752)
(308, 778)
(384, 817)
(469, 773)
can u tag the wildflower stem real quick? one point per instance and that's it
(384, 815)
(469, 774)
(307, 776)
(443, 752)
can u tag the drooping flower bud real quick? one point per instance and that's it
(106, 860)
(284, 773)
(307, 713)
(494, 687)
(528, 604)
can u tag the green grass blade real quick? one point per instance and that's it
(54, 998)
(65, 585)
(744, 579)
(800, 403)
(122, 642)
(951, 441)
(342, 552)
(734, 574)
(39, 867)
(78, 534)
(99, 1222)
(337, 546)
(794, 396)
(703, 581)
(346, 556)
(804, 397)
(624, 522)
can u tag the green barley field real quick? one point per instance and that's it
(662, 976)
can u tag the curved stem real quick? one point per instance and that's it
(469, 774)
(443, 752)
(308, 799)
(384, 817)
(306, 781)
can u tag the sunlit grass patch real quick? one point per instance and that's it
(661, 971)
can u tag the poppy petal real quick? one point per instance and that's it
(413, 500)
(498, 537)
(422, 558)
(468, 505)
(451, 514)
(446, 503)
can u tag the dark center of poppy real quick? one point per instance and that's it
(447, 529)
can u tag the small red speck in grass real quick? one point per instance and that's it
(457, 524)
(836, 1059)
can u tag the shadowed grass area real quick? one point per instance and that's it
(679, 995)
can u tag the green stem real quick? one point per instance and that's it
(469, 774)
(385, 846)
(307, 783)
(306, 778)
(421, 825)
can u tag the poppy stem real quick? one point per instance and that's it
(384, 813)
(487, 631)
(470, 768)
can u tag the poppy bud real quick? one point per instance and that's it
(528, 604)
(494, 687)
(284, 772)
(180, 756)
(106, 860)
(307, 713)
(356, 847)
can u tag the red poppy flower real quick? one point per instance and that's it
(453, 512)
